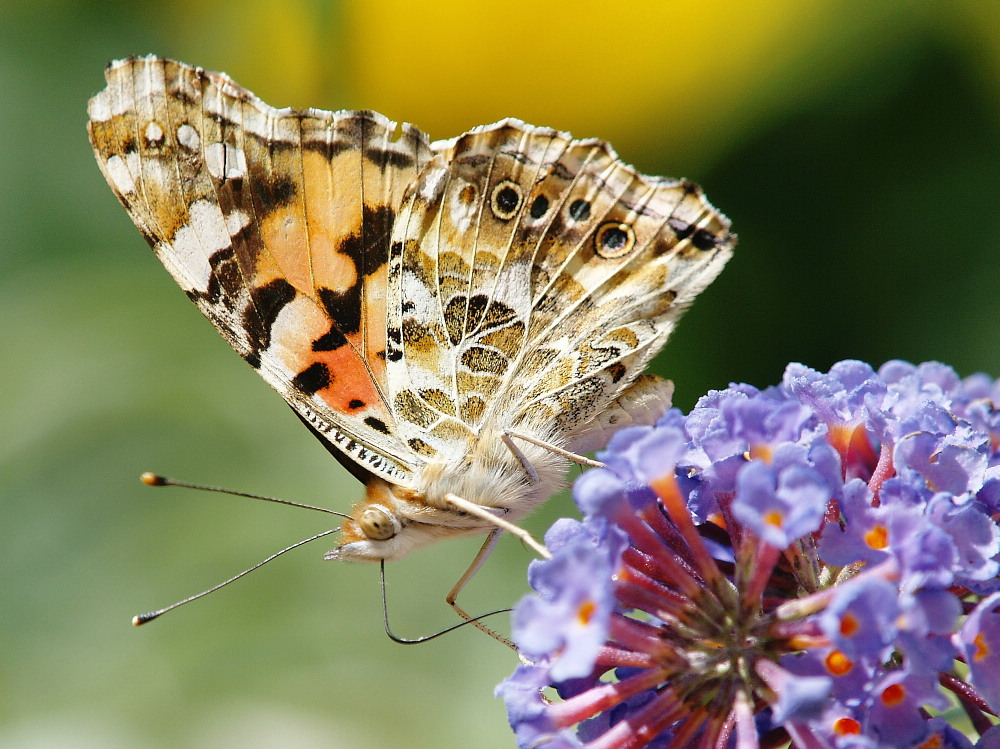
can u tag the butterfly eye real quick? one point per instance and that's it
(378, 524)
(505, 199)
(614, 240)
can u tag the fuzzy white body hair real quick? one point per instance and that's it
(489, 475)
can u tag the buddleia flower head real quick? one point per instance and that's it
(814, 564)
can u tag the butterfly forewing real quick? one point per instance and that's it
(276, 223)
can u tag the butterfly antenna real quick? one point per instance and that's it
(155, 479)
(149, 616)
(425, 638)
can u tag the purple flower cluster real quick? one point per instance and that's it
(813, 564)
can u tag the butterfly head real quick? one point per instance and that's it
(389, 523)
(394, 520)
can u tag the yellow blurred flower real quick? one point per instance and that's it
(675, 78)
(668, 71)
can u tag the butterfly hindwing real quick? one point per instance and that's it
(537, 275)
(460, 301)
(276, 223)
(605, 302)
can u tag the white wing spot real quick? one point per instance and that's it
(225, 161)
(433, 184)
(463, 210)
(99, 108)
(120, 173)
(154, 134)
(205, 233)
(149, 82)
(235, 222)
(187, 136)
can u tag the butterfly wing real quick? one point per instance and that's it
(276, 223)
(532, 277)
(459, 297)
(639, 250)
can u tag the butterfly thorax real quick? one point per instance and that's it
(394, 520)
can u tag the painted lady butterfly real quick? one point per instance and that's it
(453, 320)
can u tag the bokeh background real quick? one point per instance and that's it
(853, 144)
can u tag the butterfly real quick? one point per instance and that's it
(454, 320)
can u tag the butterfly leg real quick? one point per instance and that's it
(471, 508)
(477, 563)
(579, 459)
(521, 458)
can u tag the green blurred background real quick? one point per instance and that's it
(854, 145)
